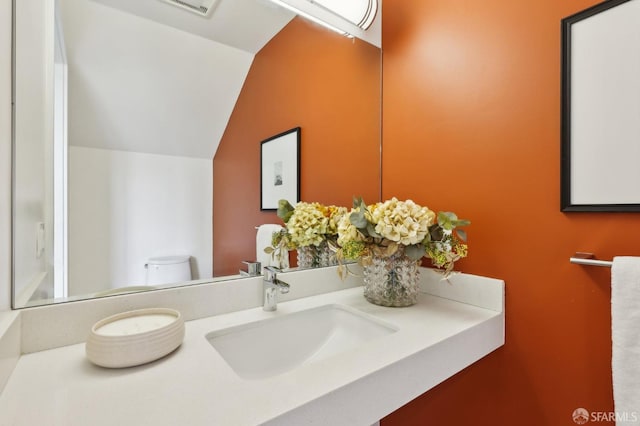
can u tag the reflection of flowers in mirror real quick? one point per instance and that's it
(310, 223)
(310, 228)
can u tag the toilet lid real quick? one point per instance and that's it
(168, 260)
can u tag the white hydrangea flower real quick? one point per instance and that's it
(336, 214)
(347, 231)
(404, 222)
(308, 224)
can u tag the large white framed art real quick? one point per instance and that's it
(601, 108)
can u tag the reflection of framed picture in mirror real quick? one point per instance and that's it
(280, 169)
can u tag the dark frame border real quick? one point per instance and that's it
(565, 145)
(296, 130)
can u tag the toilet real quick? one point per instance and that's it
(168, 269)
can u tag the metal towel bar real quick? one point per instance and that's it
(589, 259)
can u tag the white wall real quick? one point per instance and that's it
(5, 154)
(33, 114)
(137, 85)
(125, 207)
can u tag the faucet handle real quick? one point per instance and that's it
(270, 273)
(253, 268)
(270, 286)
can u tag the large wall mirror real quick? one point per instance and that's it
(601, 108)
(137, 130)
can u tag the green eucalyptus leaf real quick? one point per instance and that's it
(357, 202)
(449, 220)
(269, 250)
(371, 230)
(285, 210)
(462, 222)
(358, 220)
(362, 205)
(415, 252)
(462, 235)
(446, 219)
(449, 215)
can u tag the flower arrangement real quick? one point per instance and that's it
(388, 239)
(384, 229)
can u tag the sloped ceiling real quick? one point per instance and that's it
(244, 24)
(146, 76)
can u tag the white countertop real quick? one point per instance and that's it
(194, 386)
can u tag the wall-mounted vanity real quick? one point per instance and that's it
(453, 325)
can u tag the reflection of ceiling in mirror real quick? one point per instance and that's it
(139, 84)
(244, 24)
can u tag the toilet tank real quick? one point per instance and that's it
(168, 269)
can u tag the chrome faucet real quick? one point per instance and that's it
(270, 286)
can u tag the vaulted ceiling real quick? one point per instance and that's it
(147, 76)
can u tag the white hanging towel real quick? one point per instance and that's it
(625, 334)
(263, 240)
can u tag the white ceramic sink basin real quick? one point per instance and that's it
(273, 346)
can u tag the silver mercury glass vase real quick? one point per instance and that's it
(392, 280)
(307, 257)
(326, 256)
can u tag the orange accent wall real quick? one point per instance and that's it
(328, 85)
(471, 123)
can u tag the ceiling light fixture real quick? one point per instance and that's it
(359, 12)
(311, 18)
(201, 7)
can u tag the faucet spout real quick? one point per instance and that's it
(271, 286)
(284, 287)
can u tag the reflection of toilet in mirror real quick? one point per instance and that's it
(168, 269)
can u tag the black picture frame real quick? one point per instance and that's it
(280, 169)
(567, 203)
